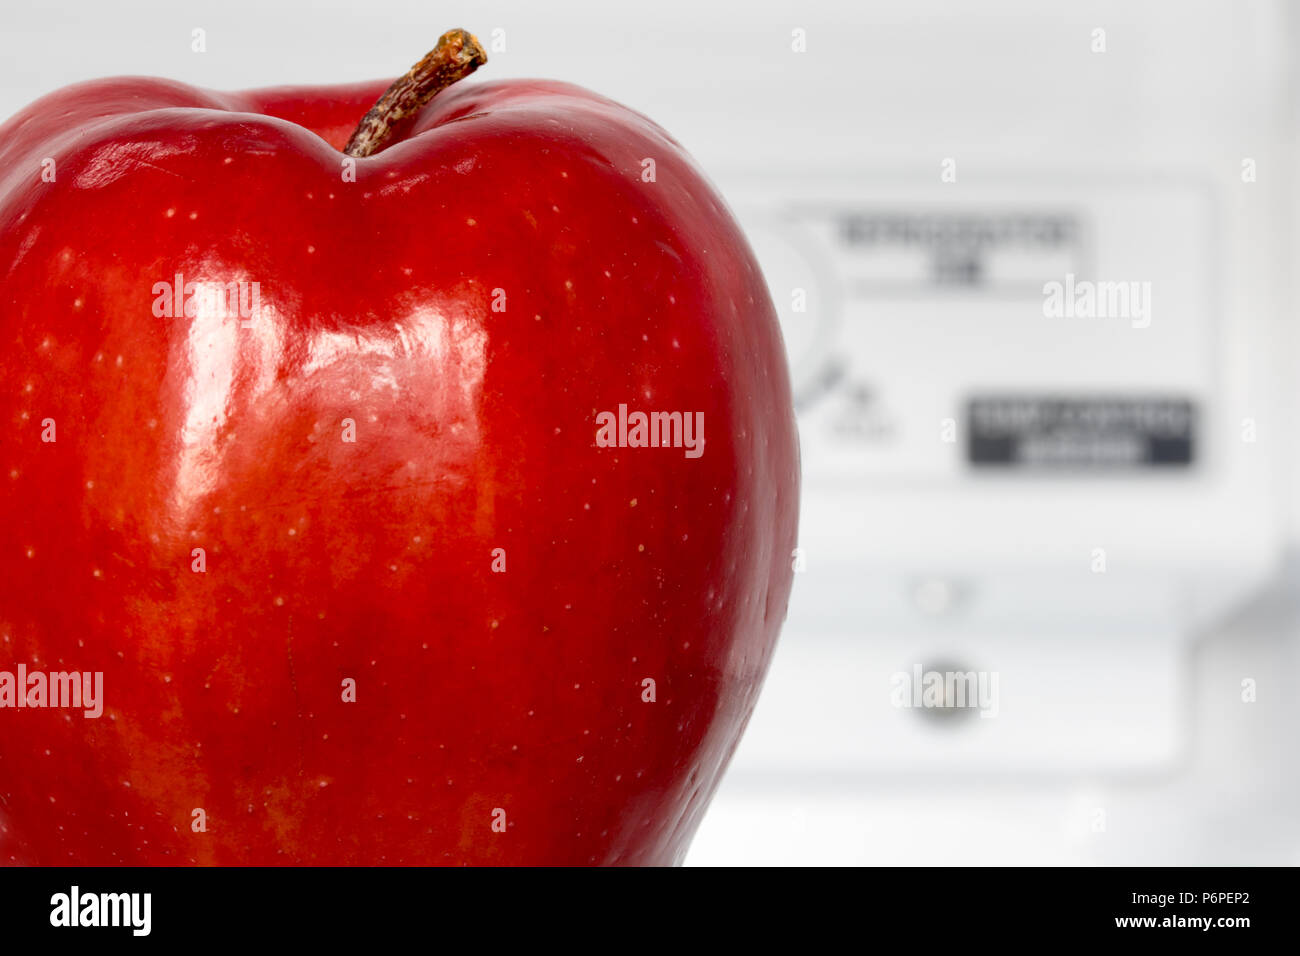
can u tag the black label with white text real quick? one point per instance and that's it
(1081, 433)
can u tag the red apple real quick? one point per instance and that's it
(363, 576)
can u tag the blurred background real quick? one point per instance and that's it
(1087, 515)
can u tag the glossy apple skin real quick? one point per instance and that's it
(476, 691)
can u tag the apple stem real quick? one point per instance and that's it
(457, 55)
